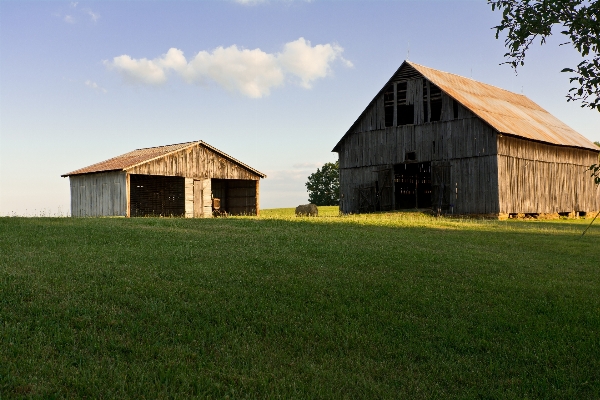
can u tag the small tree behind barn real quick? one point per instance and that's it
(324, 185)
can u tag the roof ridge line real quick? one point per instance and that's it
(471, 79)
(162, 155)
(166, 145)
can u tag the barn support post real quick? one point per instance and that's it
(189, 197)
(206, 198)
(128, 184)
(257, 197)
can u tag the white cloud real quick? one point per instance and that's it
(139, 71)
(251, 72)
(95, 86)
(308, 62)
(73, 16)
(94, 16)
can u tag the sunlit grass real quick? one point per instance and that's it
(385, 305)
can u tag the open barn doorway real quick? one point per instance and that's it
(157, 196)
(236, 196)
(412, 185)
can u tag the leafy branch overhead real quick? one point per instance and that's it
(525, 21)
(324, 185)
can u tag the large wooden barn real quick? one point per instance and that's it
(431, 139)
(175, 180)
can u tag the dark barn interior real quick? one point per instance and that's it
(238, 196)
(412, 185)
(155, 195)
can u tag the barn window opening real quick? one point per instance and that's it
(435, 101)
(455, 109)
(412, 185)
(406, 112)
(425, 102)
(410, 156)
(388, 104)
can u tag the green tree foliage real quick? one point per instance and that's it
(324, 185)
(525, 21)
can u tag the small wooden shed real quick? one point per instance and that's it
(175, 180)
(431, 139)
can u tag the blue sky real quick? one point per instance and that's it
(83, 82)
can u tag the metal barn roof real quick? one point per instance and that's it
(507, 112)
(141, 156)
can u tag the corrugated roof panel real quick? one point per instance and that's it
(129, 159)
(505, 111)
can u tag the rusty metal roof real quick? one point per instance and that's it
(507, 112)
(142, 156)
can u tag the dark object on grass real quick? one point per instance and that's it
(309, 210)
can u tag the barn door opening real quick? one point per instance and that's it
(385, 189)
(367, 198)
(412, 185)
(440, 187)
(236, 196)
(153, 195)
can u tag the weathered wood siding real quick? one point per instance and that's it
(202, 199)
(541, 178)
(189, 198)
(195, 162)
(467, 143)
(373, 118)
(99, 194)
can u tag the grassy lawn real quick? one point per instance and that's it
(396, 305)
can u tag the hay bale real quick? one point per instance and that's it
(309, 210)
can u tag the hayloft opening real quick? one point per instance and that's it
(158, 196)
(455, 109)
(412, 185)
(236, 196)
(388, 103)
(406, 112)
(435, 100)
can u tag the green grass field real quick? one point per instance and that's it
(397, 305)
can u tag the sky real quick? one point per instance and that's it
(274, 84)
